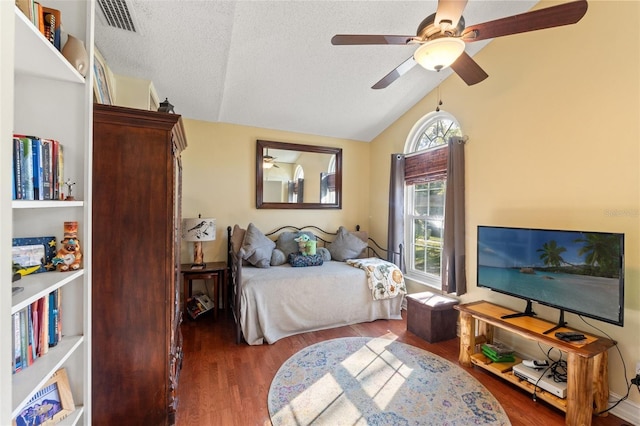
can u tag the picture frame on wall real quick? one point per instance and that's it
(101, 84)
(52, 403)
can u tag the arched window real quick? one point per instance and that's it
(425, 178)
(328, 183)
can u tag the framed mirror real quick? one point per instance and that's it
(296, 176)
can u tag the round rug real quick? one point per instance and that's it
(375, 381)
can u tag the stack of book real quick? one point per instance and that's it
(38, 168)
(498, 352)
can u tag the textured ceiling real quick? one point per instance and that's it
(271, 64)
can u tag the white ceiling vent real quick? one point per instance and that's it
(117, 14)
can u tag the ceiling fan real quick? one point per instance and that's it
(268, 161)
(442, 36)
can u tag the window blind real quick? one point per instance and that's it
(426, 166)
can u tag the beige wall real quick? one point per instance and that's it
(554, 142)
(219, 181)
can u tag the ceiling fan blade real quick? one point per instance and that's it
(468, 69)
(399, 71)
(449, 13)
(349, 39)
(555, 16)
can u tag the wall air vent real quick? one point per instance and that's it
(117, 14)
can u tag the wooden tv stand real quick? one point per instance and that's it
(587, 371)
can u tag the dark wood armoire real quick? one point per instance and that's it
(136, 211)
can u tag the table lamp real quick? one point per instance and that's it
(197, 230)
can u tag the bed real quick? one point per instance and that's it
(280, 300)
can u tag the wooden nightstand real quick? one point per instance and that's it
(216, 271)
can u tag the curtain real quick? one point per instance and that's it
(454, 277)
(395, 229)
(300, 190)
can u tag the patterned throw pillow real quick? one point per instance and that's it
(298, 260)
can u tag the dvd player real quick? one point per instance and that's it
(539, 377)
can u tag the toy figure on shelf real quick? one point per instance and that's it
(69, 185)
(69, 256)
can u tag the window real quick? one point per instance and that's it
(296, 186)
(425, 179)
(328, 183)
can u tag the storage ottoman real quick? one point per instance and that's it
(432, 316)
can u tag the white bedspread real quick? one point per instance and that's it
(282, 301)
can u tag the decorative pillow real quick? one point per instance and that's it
(298, 260)
(236, 238)
(346, 246)
(324, 252)
(256, 247)
(278, 258)
(286, 243)
(364, 236)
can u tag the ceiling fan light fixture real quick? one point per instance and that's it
(439, 53)
(267, 164)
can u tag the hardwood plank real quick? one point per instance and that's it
(225, 384)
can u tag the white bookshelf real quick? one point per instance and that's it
(43, 95)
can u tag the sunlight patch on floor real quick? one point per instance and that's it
(376, 373)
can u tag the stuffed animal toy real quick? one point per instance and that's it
(69, 255)
(302, 241)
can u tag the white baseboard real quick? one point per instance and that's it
(627, 410)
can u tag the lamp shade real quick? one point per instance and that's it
(198, 229)
(440, 53)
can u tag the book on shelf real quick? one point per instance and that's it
(36, 155)
(26, 6)
(26, 160)
(51, 18)
(17, 169)
(17, 346)
(53, 318)
(59, 178)
(47, 168)
(31, 337)
(23, 338)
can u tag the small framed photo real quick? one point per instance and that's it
(34, 251)
(101, 83)
(50, 404)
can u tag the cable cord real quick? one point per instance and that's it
(561, 374)
(624, 369)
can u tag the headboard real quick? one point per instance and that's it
(325, 237)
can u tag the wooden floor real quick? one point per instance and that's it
(222, 383)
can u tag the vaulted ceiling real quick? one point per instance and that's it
(271, 64)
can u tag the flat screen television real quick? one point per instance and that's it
(574, 271)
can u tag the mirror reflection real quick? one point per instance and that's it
(297, 176)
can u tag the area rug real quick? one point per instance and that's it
(376, 381)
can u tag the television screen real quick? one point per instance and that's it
(574, 271)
